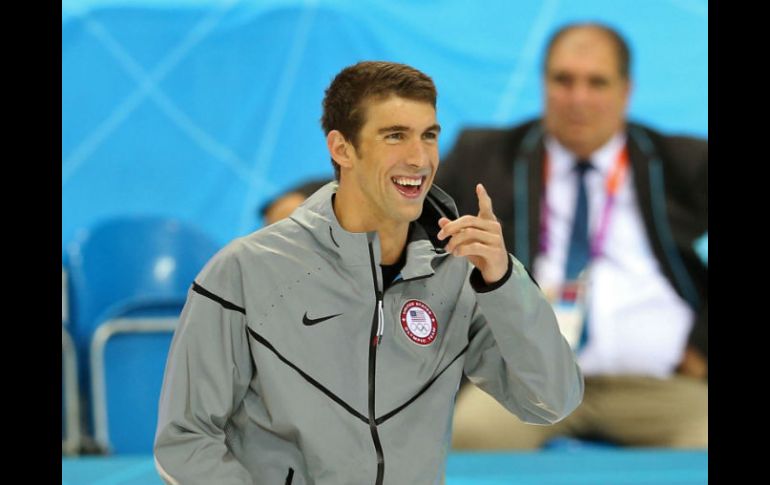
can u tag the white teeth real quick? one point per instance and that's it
(407, 181)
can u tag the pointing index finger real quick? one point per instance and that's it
(485, 203)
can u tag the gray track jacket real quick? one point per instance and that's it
(290, 365)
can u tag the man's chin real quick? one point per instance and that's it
(411, 215)
(577, 145)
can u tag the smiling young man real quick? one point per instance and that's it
(328, 347)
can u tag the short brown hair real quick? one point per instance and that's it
(622, 52)
(343, 104)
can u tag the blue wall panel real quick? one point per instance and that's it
(204, 109)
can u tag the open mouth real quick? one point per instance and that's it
(410, 187)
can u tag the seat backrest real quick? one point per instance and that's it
(134, 363)
(132, 262)
(127, 267)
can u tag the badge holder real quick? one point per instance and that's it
(569, 304)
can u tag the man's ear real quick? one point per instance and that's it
(339, 148)
(629, 88)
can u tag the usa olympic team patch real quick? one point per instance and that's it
(418, 322)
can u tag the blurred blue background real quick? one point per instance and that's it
(204, 109)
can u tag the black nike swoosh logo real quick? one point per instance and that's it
(312, 321)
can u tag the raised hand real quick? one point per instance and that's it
(478, 238)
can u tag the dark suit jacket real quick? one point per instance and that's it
(670, 175)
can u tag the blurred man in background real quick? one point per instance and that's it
(282, 205)
(607, 214)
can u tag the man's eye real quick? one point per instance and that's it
(431, 135)
(599, 82)
(562, 79)
(394, 136)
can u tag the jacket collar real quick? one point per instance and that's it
(424, 250)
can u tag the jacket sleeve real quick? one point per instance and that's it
(685, 161)
(208, 371)
(517, 353)
(699, 191)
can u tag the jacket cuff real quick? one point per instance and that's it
(480, 286)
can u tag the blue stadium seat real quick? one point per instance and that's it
(128, 356)
(129, 279)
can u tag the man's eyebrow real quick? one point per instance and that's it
(389, 129)
(393, 128)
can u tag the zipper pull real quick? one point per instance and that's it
(380, 320)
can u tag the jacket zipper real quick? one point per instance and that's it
(378, 325)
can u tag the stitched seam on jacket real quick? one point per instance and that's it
(389, 415)
(307, 377)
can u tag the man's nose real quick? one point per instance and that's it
(580, 92)
(419, 153)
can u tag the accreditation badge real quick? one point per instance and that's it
(569, 304)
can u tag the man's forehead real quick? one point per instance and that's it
(583, 37)
(585, 46)
(393, 110)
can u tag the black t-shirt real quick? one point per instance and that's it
(390, 271)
